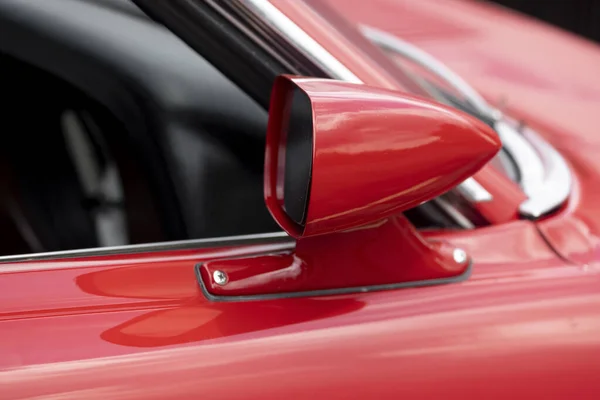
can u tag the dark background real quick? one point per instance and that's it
(578, 16)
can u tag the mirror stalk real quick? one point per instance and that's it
(387, 255)
(342, 162)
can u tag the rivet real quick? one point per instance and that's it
(220, 277)
(460, 256)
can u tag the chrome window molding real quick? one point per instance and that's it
(427, 61)
(544, 175)
(301, 40)
(474, 192)
(453, 213)
(556, 186)
(242, 240)
(531, 168)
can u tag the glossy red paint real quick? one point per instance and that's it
(375, 153)
(333, 24)
(574, 231)
(138, 327)
(536, 73)
(343, 41)
(554, 89)
(506, 197)
(388, 252)
(524, 325)
(345, 46)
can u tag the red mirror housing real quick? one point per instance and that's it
(342, 163)
(341, 155)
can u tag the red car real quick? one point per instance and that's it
(433, 166)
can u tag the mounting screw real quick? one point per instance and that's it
(460, 256)
(220, 277)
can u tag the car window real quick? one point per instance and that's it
(125, 135)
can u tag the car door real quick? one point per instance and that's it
(133, 322)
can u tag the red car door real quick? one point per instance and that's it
(134, 322)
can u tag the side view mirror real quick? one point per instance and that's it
(342, 155)
(342, 162)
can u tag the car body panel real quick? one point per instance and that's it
(526, 322)
(138, 327)
(536, 73)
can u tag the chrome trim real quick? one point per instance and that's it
(453, 213)
(531, 168)
(544, 174)
(314, 51)
(473, 191)
(242, 240)
(302, 40)
(555, 187)
(470, 187)
(427, 61)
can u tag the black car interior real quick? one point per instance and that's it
(117, 133)
(187, 143)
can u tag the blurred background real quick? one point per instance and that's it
(579, 16)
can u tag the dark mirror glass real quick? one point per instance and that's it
(298, 157)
